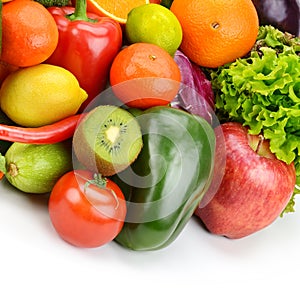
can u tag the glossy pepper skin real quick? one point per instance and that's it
(169, 178)
(48, 134)
(87, 46)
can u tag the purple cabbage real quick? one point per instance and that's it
(195, 95)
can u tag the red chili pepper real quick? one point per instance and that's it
(87, 46)
(48, 134)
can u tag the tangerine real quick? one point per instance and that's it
(216, 32)
(143, 75)
(114, 9)
(29, 33)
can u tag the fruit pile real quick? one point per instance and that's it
(135, 116)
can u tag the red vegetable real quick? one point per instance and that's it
(195, 95)
(85, 210)
(87, 46)
(48, 134)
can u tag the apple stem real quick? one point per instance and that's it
(259, 144)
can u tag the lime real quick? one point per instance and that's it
(36, 168)
(40, 95)
(155, 24)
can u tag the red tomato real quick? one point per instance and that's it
(84, 214)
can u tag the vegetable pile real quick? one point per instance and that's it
(132, 163)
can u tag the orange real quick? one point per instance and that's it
(216, 32)
(29, 33)
(143, 75)
(114, 9)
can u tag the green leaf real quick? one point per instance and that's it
(291, 204)
(262, 91)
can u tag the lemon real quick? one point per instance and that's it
(40, 95)
(155, 24)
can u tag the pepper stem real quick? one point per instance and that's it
(80, 13)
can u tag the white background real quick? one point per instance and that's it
(36, 264)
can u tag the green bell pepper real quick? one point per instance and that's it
(167, 181)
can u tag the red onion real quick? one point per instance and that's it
(195, 95)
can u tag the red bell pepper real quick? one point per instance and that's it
(87, 46)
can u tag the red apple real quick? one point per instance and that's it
(254, 190)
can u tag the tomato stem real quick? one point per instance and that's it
(98, 180)
(101, 182)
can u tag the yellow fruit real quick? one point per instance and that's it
(40, 95)
(155, 24)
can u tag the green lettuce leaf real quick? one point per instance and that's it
(262, 91)
(290, 206)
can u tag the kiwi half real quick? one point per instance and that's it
(107, 140)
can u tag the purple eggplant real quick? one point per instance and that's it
(282, 14)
